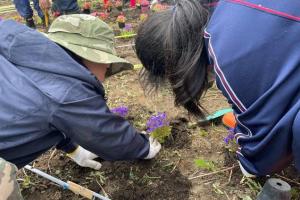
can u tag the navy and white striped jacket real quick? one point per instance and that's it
(254, 46)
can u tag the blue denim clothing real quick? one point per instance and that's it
(47, 97)
(65, 6)
(254, 47)
(24, 9)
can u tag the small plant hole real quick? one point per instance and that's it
(279, 184)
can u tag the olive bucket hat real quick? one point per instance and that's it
(88, 37)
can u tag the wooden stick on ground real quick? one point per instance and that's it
(102, 189)
(230, 175)
(49, 160)
(213, 173)
(288, 180)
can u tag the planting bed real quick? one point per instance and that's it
(168, 176)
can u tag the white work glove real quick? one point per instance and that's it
(245, 173)
(84, 158)
(154, 148)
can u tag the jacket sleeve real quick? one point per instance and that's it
(90, 124)
(67, 145)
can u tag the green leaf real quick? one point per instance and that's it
(203, 133)
(205, 164)
(161, 133)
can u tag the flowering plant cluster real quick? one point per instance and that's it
(145, 5)
(121, 18)
(127, 30)
(121, 111)
(158, 127)
(103, 15)
(108, 6)
(159, 7)
(87, 5)
(229, 137)
(143, 16)
(118, 4)
(97, 5)
(128, 27)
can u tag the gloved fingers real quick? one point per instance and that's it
(85, 158)
(83, 153)
(154, 142)
(154, 148)
(91, 164)
(92, 156)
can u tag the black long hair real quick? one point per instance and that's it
(170, 45)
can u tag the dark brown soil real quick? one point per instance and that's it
(167, 176)
(151, 180)
(132, 180)
(180, 135)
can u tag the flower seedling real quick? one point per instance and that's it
(229, 138)
(121, 19)
(127, 31)
(145, 5)
(26, 182)
(86, 8)
(108, 6)
(121, 111)
(138, 4)
(97, 5)
(205, 164)
(158, 127)
(158, 7)
(119, 5)
(132, 3)
(103, 15)
(128, 28)
(230, 142)
(143, 16)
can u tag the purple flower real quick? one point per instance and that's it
(128, 27)
(157, 121)
(230, 136)
(121, 111)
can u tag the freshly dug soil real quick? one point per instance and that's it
(180, 135)
(151, 180)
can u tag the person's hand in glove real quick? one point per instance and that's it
(85, 158)
(154, 148)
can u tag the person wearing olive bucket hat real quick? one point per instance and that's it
(52, 95)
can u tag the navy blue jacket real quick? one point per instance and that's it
(47, 99)
(65, 6)
(255, 48)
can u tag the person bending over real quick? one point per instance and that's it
(52, 94)
(253, 47)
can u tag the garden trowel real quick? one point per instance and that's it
(212, 118)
